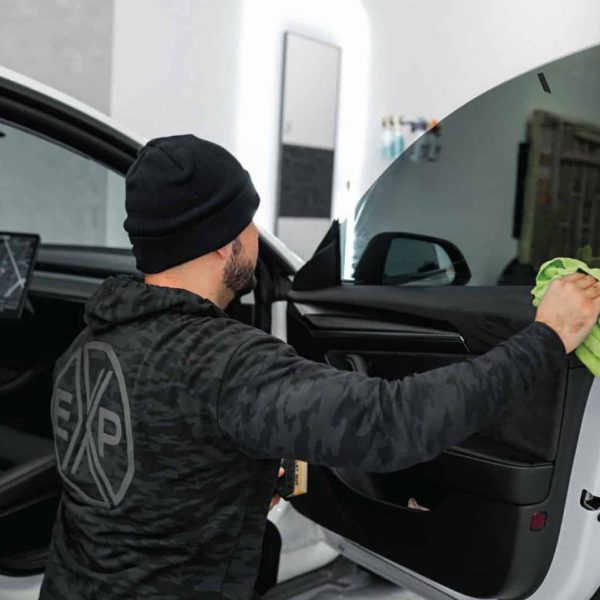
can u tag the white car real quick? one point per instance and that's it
(446, 245)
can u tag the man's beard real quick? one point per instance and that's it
(238, 275)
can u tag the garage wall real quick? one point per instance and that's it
(63, 43)
(213, 68)
(175, 67)
(343, 23)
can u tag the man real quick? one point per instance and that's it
(169, 479)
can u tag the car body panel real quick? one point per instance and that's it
(31, 89)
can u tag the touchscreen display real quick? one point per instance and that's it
(17, 256)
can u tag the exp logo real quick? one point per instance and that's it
(92, 425)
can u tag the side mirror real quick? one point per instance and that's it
(405, 258)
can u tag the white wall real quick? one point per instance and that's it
(213, 68)
(63, 43)
(429, 57)
(342, 23)
(175, 67)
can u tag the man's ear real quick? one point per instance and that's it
(224, 251)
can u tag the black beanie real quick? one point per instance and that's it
(185, 197)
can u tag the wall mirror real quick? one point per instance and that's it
(311, 73)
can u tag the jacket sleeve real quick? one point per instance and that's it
(276, 404)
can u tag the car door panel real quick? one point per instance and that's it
(482, 494)
(483, 316)
(393, 353)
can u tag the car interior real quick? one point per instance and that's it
(29, 482)
(495, 501)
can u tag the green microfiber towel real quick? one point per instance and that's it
(589, 351)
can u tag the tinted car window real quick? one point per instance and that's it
(512, 178)
(57, 193)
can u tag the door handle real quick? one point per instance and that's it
(357, 363)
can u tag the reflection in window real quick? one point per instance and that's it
(57, 193)
(517, 181)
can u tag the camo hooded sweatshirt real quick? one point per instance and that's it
(170, 419)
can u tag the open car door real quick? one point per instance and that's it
(438, 268)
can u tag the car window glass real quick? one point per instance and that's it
(511, 178)
(57, 193)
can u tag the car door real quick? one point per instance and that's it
(506, 182)
(62, 178)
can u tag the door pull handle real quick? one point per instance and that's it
(357, 363)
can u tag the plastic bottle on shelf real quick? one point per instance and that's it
(387, 139)
(398, 145)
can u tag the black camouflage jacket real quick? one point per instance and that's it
(170, 419)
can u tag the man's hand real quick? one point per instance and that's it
(571, 307)
(276, 497)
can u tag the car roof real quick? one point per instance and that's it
(35, 90)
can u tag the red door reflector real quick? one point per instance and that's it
(538, 521)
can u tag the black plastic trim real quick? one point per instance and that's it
(339, 320)
(324, 268)
(50, 118)
(466, 310)
(306, 339)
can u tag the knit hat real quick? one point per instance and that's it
(185, 197)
